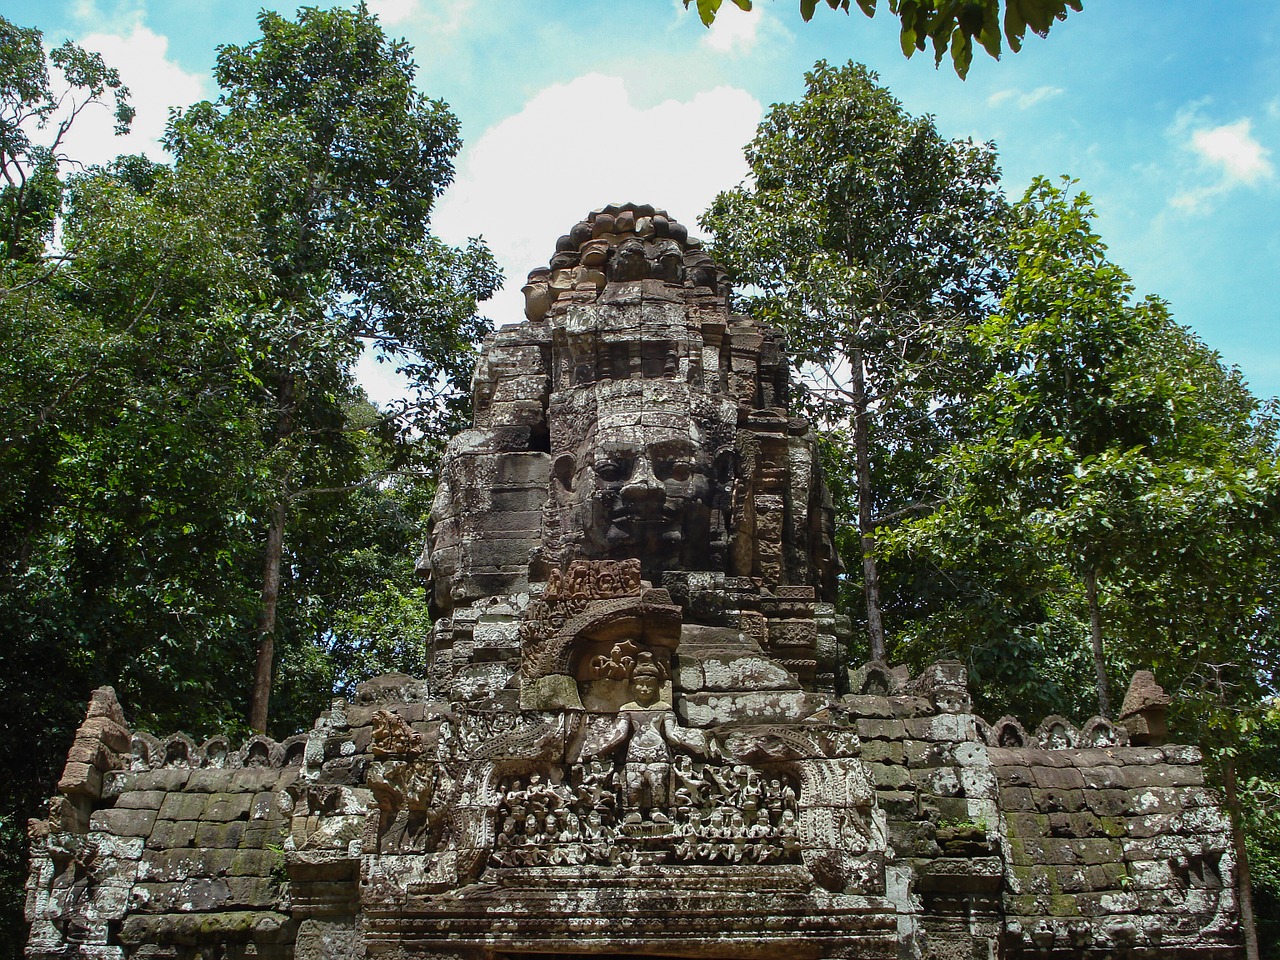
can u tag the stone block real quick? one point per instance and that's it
(883, 751)
(872, 728)
(219, 780)
(258, 834)
(1163, 775)
(196, 895)
(140, 800)
(945, 809)
(912, 838)
(868, 707)
(708, 709)
(689, 675)
(219, 834)
(168, 834)
(1102, 777)
(252, 892)
(1014, 776)
(889, 776)
(1033, 880)
(168, 866)
(91, 751)
(1083, 824)
(911, 706)
(1057, 778)
(949, 727)
(1027, 824)
(899, 804)
(115, 736)
(1104, 903)
(183, 806)
(123, 823)
(1058, 801)
(744, 672)
(224, 807)
(169, 779)
(83, 779)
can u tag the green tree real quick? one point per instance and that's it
(868, 239)
(141, 382)
(35, 117)
(1115, 496)
(342, 160)
(946, 24)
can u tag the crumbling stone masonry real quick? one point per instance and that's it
(636, 739)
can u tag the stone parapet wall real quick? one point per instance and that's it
(156, 854)
(391, 833)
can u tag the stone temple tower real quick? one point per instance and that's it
(632, 429)
(638, 737)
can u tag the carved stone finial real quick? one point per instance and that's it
(1144, 710)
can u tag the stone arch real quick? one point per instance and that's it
(1007, 732)
(1057, 733)
(1101, 732)
(215, 753)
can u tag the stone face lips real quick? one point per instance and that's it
(635, 739)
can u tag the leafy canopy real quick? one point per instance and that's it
(946, 24)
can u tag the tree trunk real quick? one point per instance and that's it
(1244, 882)
(866, 530)
(260, 697)
(267, 620)
(1095, 632)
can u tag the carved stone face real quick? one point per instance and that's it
(645, 690)
(641, 491)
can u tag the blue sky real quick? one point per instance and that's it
(1167, 111)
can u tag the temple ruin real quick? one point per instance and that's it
(639, 736)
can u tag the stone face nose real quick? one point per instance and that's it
(643, 485)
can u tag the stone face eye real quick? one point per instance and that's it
(678, 470)
(611, 471)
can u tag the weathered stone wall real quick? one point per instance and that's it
(389, 832)
(156, 849)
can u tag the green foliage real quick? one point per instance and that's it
(870, 240)
(30, 190)
(945, 24)
(1260, 801)
(341, 161)
(142, 383)
(1109, 442)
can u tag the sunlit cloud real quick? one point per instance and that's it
(439, 17)
(1233, 148)
(391, 12)
(1228, 152)
(524, 181)
(1024, 101)
(109, 16)
(733, 31)
(155, 82)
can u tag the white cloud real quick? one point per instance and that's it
(438, 17)
(1024, 101)
(733, 31)
(1233, 148)
(393, 11)
(578, 146)
(155, 82)
(1229, 151)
